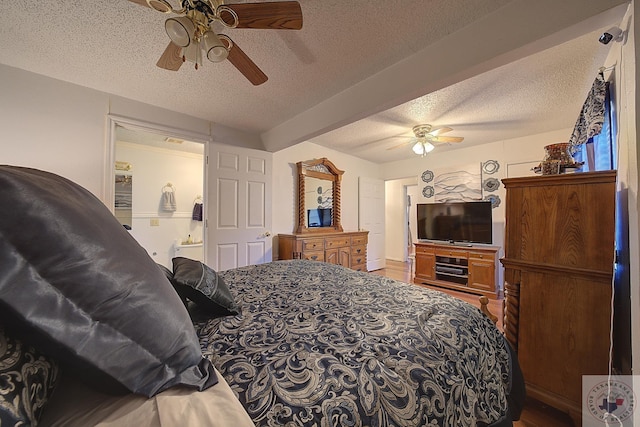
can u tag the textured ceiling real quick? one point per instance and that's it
(536, 94)
(113, 47)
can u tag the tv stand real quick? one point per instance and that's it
(464, 268)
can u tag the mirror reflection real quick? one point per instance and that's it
(123, 187)
(318, 201)
(318, 196)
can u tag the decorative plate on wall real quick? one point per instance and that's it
(490, 166)
(427, 191)
(491, 184)
(427, 176)
(494, 199)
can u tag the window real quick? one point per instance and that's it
(599, 152)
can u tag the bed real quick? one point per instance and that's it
(108, 337)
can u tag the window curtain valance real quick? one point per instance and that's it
(591, 117)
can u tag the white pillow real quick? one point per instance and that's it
(75, 405)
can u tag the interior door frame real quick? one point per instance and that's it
(108, 184)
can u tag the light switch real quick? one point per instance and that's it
(155, 222)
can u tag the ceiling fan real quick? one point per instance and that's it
(192, 35)
(425, 136)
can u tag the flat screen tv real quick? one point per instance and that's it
(320, 217)
(467, 222)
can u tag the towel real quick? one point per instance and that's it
(197, 212)
(168, 201)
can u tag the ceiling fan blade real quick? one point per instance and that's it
(448, 139)
(171, 58)
(246, 66)
(404, 144)
(284, 15)
(140, 2)
(440, 131)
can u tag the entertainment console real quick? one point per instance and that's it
(462, 268)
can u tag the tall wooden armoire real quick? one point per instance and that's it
(559, 258)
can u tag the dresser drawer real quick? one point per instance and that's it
(337, 242)
(358, 250)
(312, 245)
(313, 255)
(359, 267)
(452, 253)
(424, 249)
(358, 240)
(358, 259)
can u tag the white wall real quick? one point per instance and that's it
(61, 127)
(630, 147)
(55, 126)
(624, 56)
(285, 190)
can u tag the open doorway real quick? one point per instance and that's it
(158, 183)
(411, 231)
(400, 217)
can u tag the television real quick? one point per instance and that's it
(466, 222)
(320, 217)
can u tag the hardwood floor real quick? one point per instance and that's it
(534, 414)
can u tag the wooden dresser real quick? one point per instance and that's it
(559, 257)
(347, 248)
(463, 268)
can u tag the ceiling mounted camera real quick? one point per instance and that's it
(613, 33)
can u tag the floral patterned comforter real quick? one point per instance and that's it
(321, 345)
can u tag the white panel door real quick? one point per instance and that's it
(371, 218)
(239, 207)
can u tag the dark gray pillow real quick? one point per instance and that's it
(202, 285)
(27, 380)
(169, 275)
(76, 285)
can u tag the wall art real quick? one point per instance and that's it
(490, 166)
(459, 185)
(490, 184)
(494, 199)
(427, 176)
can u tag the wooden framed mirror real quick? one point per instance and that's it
(318, 196)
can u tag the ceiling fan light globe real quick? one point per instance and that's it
(214, 48)
(428, 147)
(217, 54)
(180, 30)
(419, 149)
(160, 5)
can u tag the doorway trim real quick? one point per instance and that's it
(108, 183)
